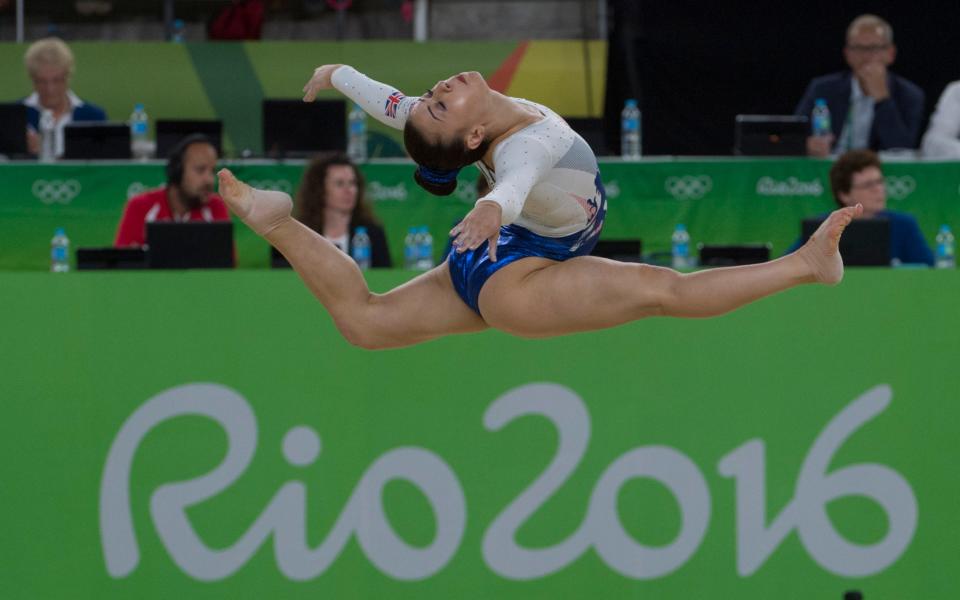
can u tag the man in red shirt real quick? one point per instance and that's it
(188, 195)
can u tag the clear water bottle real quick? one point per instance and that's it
(357, 134)
(410, 250)
(424, 249)
(820, 118)
(59, 252)
(630, 131)
(680, 247)
(360, 248)
(178, 31)
(946, 257)
(139, 144)
(48, 136)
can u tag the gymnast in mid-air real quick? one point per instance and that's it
(520, 261)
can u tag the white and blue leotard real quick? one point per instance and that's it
(545, 179)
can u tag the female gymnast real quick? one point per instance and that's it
(521, 261)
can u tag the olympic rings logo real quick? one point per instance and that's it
(56, 191)
(688, 187)
(278, 185)
(899, 188)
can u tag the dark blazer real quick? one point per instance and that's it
(896, 120)
(84, 112)
(379, 251)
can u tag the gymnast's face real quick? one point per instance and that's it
(454, 107)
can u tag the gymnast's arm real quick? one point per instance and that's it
(384, 103)
(519, 165)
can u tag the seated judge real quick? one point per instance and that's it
(857, 177)
(188, 195)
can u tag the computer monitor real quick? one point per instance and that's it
(729, 255)
(171, 131)
(294, 128)
(629, 250)
(771, 135)
(91, 259)
(865, 242)
(191, 245)
(91, 140)
(13, 129)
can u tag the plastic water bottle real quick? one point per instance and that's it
(59, 252)
(424, 249)
(177, 34)
(357, 134)
(945, 259)
(680, 247)
(630, 131)
(48, 136)
(139, 144)
(820, 118)
(410, 250)
(360, 248)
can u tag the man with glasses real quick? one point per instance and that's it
(870, 107)
(857, 178)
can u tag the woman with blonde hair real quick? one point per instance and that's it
(50, 65)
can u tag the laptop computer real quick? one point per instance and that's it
(93, 259)
(171, 131)
(13, 130)
(865, 242)
(87, 140)
(770, 135)
(729, 255)
(623, 250)
(294, 128)
(191, 245)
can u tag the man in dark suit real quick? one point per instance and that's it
(870, 107)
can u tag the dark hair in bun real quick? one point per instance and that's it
(439, 163)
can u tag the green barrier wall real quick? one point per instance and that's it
(209, 435)
(720, 201)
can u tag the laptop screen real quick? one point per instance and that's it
(865, 242)
(297, 128)
(171, 131)
(771, 135)
(94, 140)
(192, 245)
(13, 129)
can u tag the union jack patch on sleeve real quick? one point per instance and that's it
(393, 101)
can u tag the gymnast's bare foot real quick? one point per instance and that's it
(261, 210)
(822, 250)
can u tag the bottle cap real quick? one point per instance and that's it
(820, 102)
(138, 106)
(59, 231)
(361, 229)
(681, 227)
(631, 102)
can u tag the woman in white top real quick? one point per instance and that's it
(520, 262)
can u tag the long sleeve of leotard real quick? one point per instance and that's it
(382, 102)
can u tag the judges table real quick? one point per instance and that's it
(721, 200)
(211, 435)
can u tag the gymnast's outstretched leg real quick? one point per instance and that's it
(536, 297)
(421, 309)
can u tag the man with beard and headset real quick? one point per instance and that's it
(188, 195)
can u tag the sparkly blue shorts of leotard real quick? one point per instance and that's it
(471, 269)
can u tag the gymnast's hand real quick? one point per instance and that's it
(481, 224)
(319, 81)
